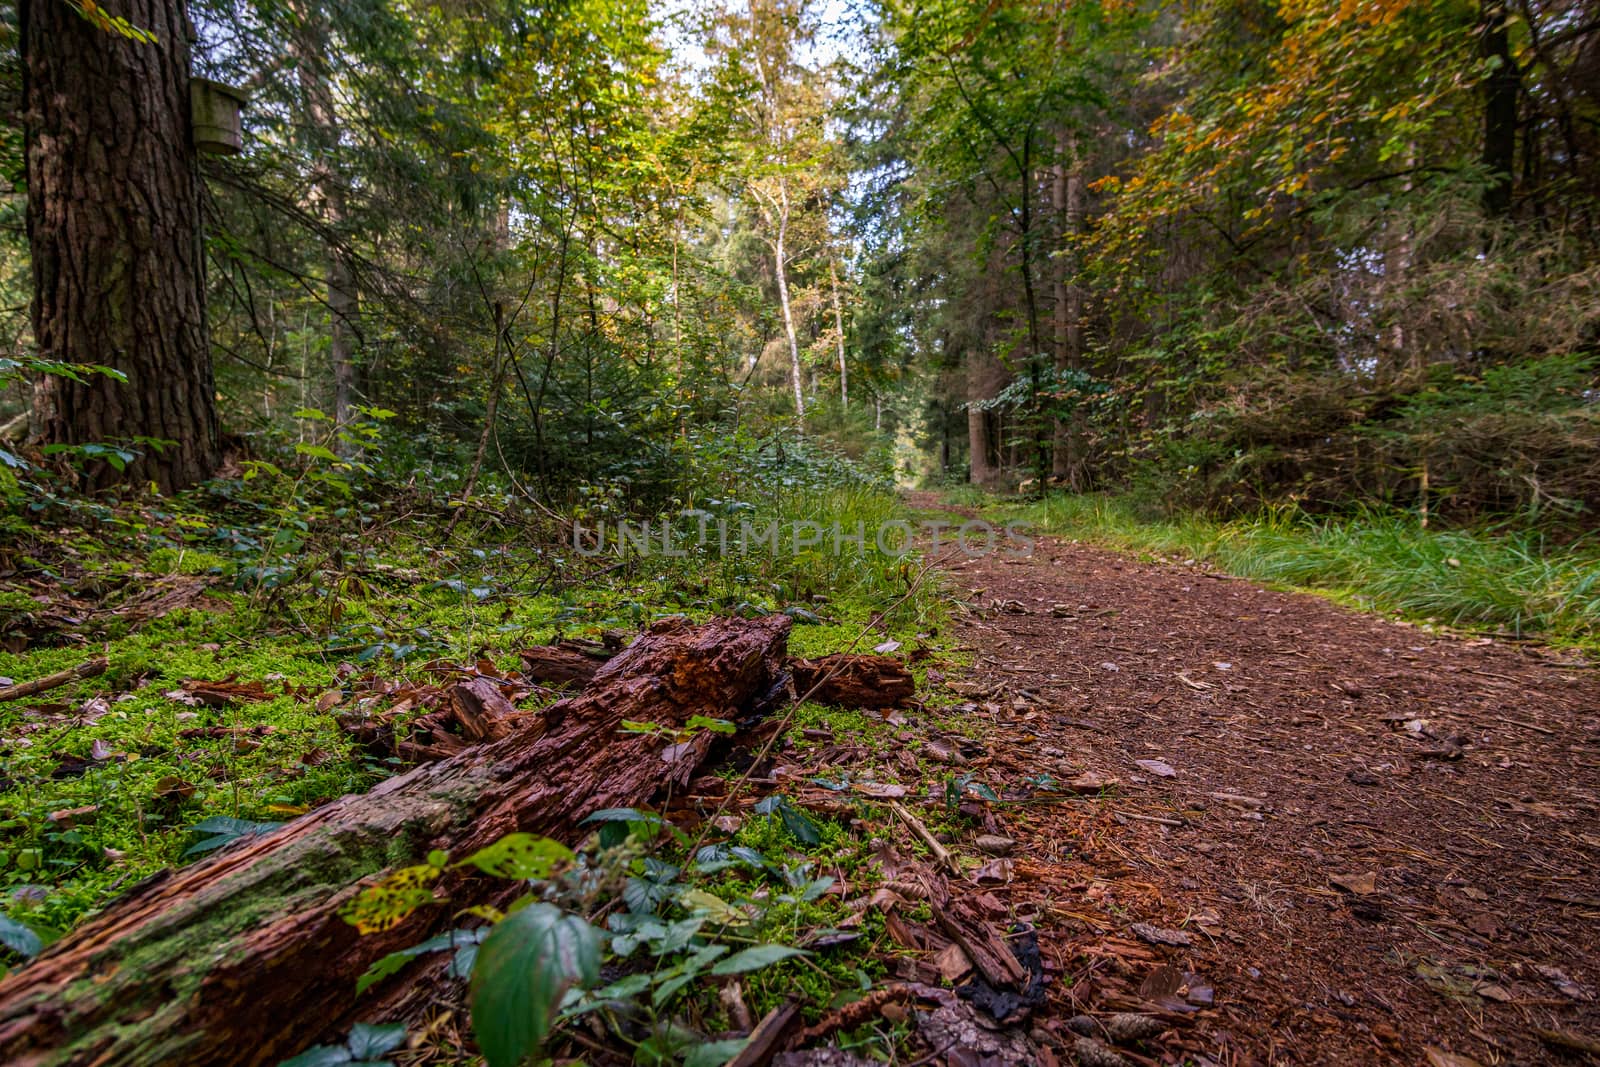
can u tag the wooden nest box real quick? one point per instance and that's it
(214, 113)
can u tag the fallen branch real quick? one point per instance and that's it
(943, 855)
(87, 669)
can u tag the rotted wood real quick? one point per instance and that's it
(243, 958)
(564, 662)
(850, 680)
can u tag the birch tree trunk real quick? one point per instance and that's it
(838, 325)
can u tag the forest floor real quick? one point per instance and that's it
(1367, 842)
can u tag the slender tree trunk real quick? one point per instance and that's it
(114, 234)
(310, 46)
(838, 326)
(780, 253)
(1067, 198)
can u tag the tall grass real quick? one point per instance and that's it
(1509, 581)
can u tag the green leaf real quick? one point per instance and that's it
(316, 452)
(620, 815)
(800, 825)
(225, 831)
(755, 958)
(703, 722)
(18, 937)
(319, 1056)
(524, 968)
(520, 856)
(715, 1053)
(382, 968)
(370, 1042)
(314, 414)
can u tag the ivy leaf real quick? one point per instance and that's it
(755, 958)
(525, 967)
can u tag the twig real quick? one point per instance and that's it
(1148, 818)
(1526, 725)
(1575, 1042)
(50, 681)
(940, 853)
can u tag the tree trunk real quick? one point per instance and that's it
(114, 233)
(321, 119)
(243, 958)
(1067, 196)
(780, 254)
(982, 472)
(1501, 89)
(838, 326)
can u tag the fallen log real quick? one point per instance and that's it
(243, 958)
(565, 662)
(849, 680)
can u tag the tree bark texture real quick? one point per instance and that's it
(114, 233)
(243, 958)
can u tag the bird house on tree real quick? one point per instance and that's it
(214, 113)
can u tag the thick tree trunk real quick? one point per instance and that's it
(114, 232)
(243, 959)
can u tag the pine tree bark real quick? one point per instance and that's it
(115, 237)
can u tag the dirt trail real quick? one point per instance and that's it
(1463, 774)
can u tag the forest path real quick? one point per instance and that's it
(1452, 784)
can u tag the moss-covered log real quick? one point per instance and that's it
(243, 958)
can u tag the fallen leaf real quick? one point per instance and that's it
(1360, 884)
(1156, 767)
(1566, 986)
(174, 790)
(995, 872)
(886, 790)
(1157, 935)
(1438, 1057)
(995, 845)
(952, 963)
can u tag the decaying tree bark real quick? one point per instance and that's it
(564, 662)
(854, 681)
(848, 680)
(243, 959)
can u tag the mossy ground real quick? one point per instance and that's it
(103, 780)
